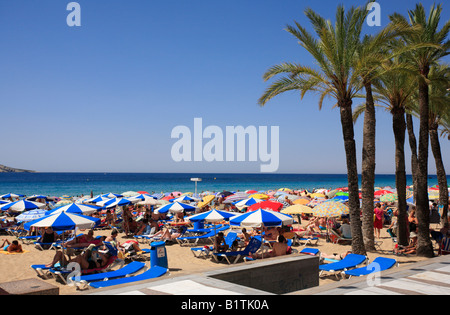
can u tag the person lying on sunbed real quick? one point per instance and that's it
(89, 259)
(279, 248)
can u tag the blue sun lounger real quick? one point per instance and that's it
(126, 271)
(210, 235)
(349, 262)
(153, 272)
(379, 264)
(206, 250)
(251, 248)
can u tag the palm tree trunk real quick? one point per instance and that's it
(440, 171)
(413, 146)
(352, 175)
(424, 245)
(368, 169)
(399, 127)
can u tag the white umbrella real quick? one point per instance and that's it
(22, 205)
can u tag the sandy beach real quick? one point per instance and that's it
(181, 260)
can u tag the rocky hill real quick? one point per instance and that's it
(7, 169)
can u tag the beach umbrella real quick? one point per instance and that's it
(35, 197)
(389, 198)
(297, 209)
(75, 208)
(246, 203)
(317, 195)
(339, 198)
(115, 202)
(224, 194)
(97, 199)
(301, 201)
(240, 195)
(63, 202)
(206, 200)
(111, 195)
(212, 216)
(330, 209)
(145, 200)
(260, 218)
(22, 205)
(64, 221)
(285, 189)
(130, 193)
(410, 201)
(382, 192)
(316, 202)
(270, 205)
(183, 199)
(259, 196)
(175, 207)
(30, 215)
(7, 196)
(157, 195)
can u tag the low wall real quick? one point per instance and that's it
(275, 275)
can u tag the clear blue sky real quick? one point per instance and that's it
(104, 97)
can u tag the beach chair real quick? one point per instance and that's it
(444, 247)
(153, 272)
(42, 271)
(206, 250)
(349, 262)
(27, 240)
(310, 251)
(186, 240)
(378, 265)
(307, 240)
(336, 238)
(83, 281)
(251, 248)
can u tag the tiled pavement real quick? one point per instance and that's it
(431, 277)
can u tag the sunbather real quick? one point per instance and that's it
(13, 247)
(279, 248)
(83, 241)
(89, 259)
(219, 243)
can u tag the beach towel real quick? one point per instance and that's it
(4, 252)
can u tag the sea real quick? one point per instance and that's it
(77, 184)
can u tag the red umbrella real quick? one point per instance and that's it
(143, 192)
(382, 192)
(271, 205)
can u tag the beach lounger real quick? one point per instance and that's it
(251, 248)
(336, 238)
(153, 272)
(206, 250)
(42, 271)
(310, 251)
(349, 262)
(379, 264)
(444, 247)
(308, 240)
(126, 271)
(29, 239)
(186, 240)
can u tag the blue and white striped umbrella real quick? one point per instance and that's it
(175, 207)
(111, 195)
(183, 199)
(31, 215)
(75, 208)
(64, 221)
(157, 196)
(260, 218)
(115, 202)
(97, 199)
(246, 203)
(22, 205)
(7, 196)
(212, 216)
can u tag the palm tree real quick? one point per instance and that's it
(335, 51)
(393, 90)
(439, 109)
(422, 59)
(372, 51)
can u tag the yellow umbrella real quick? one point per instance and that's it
(285, 189)
(297, 209)
(259, 196)
(301, 201)
(317, 195)
(205, 200)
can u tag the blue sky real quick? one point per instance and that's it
(105, 96)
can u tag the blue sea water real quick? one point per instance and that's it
(75, 184)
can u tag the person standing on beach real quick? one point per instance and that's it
(378, 219)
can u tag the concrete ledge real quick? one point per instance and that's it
(277, 275)
(28, 287)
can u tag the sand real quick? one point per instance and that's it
(181, 260)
